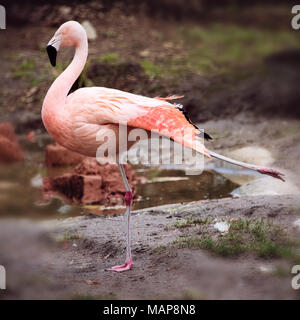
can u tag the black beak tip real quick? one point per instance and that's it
(52, 55)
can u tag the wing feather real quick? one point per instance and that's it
(103, 105)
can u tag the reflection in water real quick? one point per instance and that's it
(20, 193)
(20, 190)
(208, 185)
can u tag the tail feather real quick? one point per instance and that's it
(169, 97)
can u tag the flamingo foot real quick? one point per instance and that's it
(271, 172)
(124, 267)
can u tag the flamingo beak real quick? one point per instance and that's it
(52, 53)
(53, 47)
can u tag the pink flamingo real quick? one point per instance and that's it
(76, 119)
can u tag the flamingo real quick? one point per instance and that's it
(75, 120)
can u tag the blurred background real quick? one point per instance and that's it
(197, 48)
(236, 63)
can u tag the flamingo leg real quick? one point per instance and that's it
(128, 200)
(271, 172)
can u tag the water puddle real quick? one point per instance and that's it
(173, 186)
(20, 190)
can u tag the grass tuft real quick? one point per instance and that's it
(151, 69)
(69, 236)
(217, 47)
(23, 69)
(259, 237)
(191, 222)
(110, 58)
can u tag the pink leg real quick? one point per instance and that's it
(128, 200)
(271, 172)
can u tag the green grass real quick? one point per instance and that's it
(37, 81)
(159, 250)
(296, 210)
(151, 69)
(245, 236)
(191, 222)
(217, 47)
(110, 58)
(60, 66)
(24, 69)
(192, 294)
(286, 131)
(110, 33)
(83, 80)
(69, 236)
(282, 272)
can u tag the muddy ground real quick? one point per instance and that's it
(242, 95)
(67, 259)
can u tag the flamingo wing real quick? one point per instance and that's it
(104, 105)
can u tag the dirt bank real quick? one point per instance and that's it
(70, 256)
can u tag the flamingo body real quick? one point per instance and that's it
(93, 111)
(79, 120)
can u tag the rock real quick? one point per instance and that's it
(266, 186)
(57, 155)
(64, 209)
(222, 226)
(297, 223)
(7, 131)
(92, 189)
(10, 150)
(37, 181)
(145, 53)
(109, 173)
(90, 30)
(266, 268)
(90, 183)
(253, 154)
(64, 10)
(67, 185)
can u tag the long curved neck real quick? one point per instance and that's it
(56, 95)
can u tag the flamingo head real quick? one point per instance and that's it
(69, 34)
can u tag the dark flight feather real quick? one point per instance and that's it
(180, 107)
